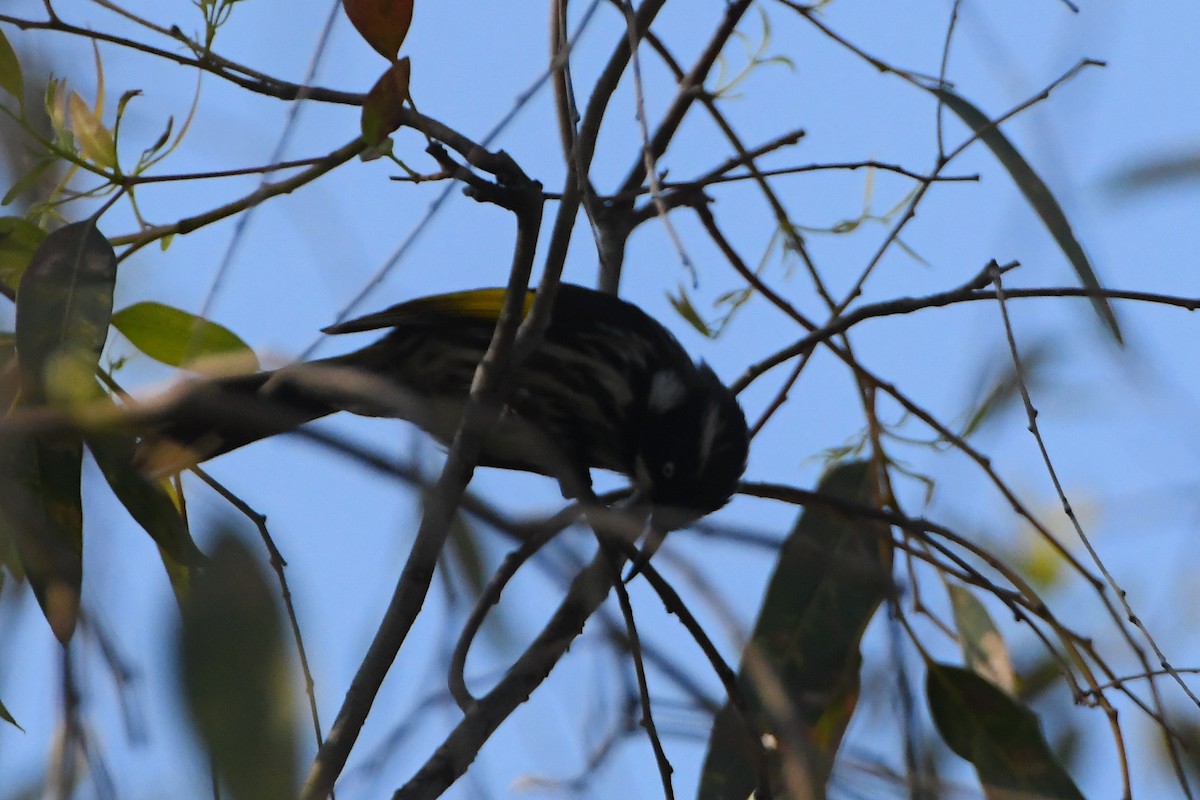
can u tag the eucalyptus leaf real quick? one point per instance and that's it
(832, 573)
(683, 305)
(997, 734)
(11, 79)
(146, 500)
(64, 304)
(8, 717)
(19, 239)
(1039, 196)
(234, 675)
(176, 337)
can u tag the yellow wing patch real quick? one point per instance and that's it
(479, 303)
(472, 304)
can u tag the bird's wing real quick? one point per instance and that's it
(475, 305)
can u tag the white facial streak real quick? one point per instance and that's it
(666, 391)
(708, 432)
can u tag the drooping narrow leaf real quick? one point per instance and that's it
(1039, 196)
(146, 501)
(998, 735)
(64, 303)
(382, 23)
(10, 559)
(1159, 172)
(176, 337)
(41, 511)
(7, 717)
(10, 373)
(463, 557)
(982, 646)
(10, 380)
(234, 675)
(684, 307)
(28, 180)
(833, 572)
(1001, 390)
(381, 111)
(11, 79)
(19, 238)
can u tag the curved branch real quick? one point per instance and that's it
(907, 305)
(223, 68)
(450, 761)
(263, 192)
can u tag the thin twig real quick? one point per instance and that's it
(1031, 415)
(137, 180)
(510, 343)
(943, 68)
(237, 74)
(265, 191)
(674, 604)
(648, 156)
(691, 87)
(639, 665)
(278, 565)
(588, 590)
(965, 294)
(242, 223)
(488, 598)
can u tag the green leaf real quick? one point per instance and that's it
(1159, 171)
(235, 676)
(10, 373)
(832, 574)
(123, 101)
(382, 23)
(9, 389)
(64, 305)
(464, 556)
(19, 239)
(1038, 195)
(28, 180)
(383, 107)
(982, 646)
(159, 143)
(96, 142)
(176, 337)
(147, 501)
(10, 559)
(1004, 389)
(42, 511)
(683, 305)
(11, 79)
(999, 736)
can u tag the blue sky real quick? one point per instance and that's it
(1119, 423)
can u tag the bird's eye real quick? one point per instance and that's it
(668, 470)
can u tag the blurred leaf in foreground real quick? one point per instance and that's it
(997, 734)
(800, 671)
(235, 676)
(1039, 196)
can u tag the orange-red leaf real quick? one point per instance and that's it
(383, 23)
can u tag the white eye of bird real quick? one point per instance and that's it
(668, 470)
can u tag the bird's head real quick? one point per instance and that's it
(693, 447)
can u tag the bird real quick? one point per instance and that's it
(607, 387)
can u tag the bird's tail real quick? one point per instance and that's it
(204, 418)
